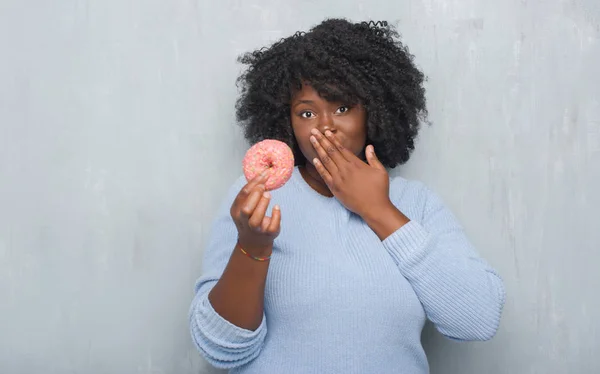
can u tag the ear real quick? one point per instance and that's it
(372, 158)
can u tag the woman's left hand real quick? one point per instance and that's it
(362, 187)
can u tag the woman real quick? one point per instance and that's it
(338, 270)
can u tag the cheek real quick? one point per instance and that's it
(303, 140)
(358, 135)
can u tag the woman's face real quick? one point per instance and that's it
(347, 123)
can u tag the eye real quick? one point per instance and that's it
(343, 109)
(307, 114)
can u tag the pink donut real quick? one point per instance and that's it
(272, 155)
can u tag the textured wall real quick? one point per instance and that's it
(117, 139)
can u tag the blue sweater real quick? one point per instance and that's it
(340, 300)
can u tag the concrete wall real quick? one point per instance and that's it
(117, 139)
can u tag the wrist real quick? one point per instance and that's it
(385, 219)
(255, 250)
(378, 212)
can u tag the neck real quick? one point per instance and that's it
(313, 179)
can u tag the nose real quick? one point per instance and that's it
(326, 123)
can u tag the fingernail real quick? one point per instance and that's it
(266, 194)
(313, 139)
(315, 160)
(276, 207)
(314, 131)
(328, 133)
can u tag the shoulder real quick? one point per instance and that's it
(412, 196)
(230, 192)
(403, 188)
(234, 187)
(237, 184)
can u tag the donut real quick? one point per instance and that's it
(272, 155)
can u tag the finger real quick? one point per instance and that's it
(250, 204)
(250, 186)
(256, 181)
(328, 146)
(372, 158)
(264, 226)
(256, 219)
(275, 221)
(323, 172)
(346, 154)
(323, 155)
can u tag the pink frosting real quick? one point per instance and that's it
(272, 155)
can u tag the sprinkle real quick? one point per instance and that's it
(272, 155)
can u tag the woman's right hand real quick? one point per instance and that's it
(256, 230)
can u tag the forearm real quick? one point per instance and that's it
(385, 221)
(461, 294)
(238, 296)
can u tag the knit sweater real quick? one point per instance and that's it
(340, 300)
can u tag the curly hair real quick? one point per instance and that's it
(345, 62)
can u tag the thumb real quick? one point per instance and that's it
(372, 158)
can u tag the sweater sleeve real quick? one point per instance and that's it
(460, 293)
(223, 344)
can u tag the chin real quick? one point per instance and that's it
(308, 157)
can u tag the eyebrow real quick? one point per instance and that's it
(304, 102)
